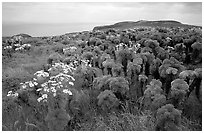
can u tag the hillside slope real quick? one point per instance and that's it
(23, 35)
(141, 23)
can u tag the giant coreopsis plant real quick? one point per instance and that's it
(168, 118)
(153, 96)
(179, 89)
(122, 57)
(168, 71)
(107, 100)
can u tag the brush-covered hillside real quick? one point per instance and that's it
(130, 76)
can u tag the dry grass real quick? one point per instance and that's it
(14, 73)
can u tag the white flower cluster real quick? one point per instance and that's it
(26, 45)
(52, 85)
(8, 47)
(85, 63)
(42, 98)
(67, 91)
(55, 84)
(41, 74)
(169, 49)
(168, 39)
(120, 46)
(136, 47)
(69, 49)
(23, 86)
(58, 83)
(17, 45)
(12, 94)
(28, 84)
(61, 67)
(74, 64)
(22, 47)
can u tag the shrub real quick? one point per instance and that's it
(168, 118)
(54, 58)
(107, 100)
(34, 41)
(153, 96)
(58, 47)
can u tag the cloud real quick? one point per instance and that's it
(93, 12)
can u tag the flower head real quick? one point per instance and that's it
(67, 91)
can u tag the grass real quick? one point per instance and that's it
(15, 72)
(193, 112)
(10, 113)
(130, 122)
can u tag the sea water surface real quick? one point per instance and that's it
(38, 30)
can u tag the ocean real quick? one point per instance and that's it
(38, 30)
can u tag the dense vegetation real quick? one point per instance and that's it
(141, 79)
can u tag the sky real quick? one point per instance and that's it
(52, 18)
